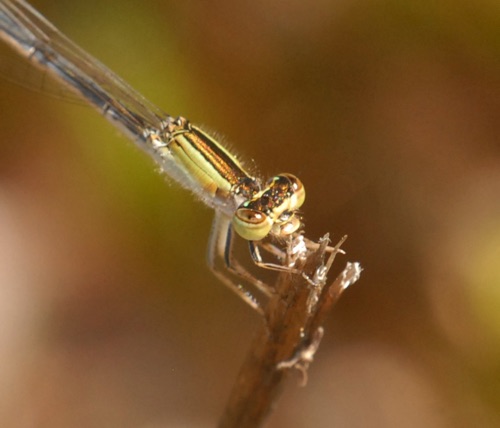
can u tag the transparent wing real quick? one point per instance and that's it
(20, 71)
(35, 38)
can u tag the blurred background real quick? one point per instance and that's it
(389, 113)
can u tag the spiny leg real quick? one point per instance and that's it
(220, 246)
(296, 248)
(236, 268)
(290, 256)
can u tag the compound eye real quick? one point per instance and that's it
(298, 192)
(252, 225)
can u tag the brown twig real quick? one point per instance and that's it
(290, 337)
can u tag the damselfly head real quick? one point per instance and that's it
(272, 210)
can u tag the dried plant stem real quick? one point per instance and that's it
(289, 338)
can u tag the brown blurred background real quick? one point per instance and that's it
(389, 113)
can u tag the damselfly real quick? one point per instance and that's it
(264, 214)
